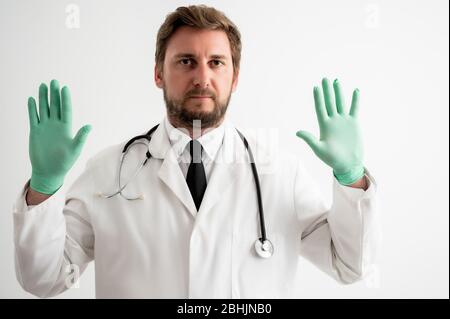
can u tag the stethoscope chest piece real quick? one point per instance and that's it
(264, 248)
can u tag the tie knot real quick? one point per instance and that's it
(195, 149)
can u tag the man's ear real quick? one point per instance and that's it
(158, 78)
(235, 80)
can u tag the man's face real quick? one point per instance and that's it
(197, 77)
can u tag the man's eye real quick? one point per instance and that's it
(185, 60)
(217, 62)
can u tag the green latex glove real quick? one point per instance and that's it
(340, 144)
(51, 147)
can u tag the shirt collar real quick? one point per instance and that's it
(210, 141)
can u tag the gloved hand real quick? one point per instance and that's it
(340, 145)
(51, 147)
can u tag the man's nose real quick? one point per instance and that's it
(202, 76)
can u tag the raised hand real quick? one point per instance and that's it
(340, 143)
(52, 149)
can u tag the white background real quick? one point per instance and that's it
(395, 52)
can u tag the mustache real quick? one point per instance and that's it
(201, 92)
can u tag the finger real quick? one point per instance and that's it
(81, 137)
(310, 139)
(43, 103)
(320, 107)
(340, 105)
(66, 106)
(328, 96)
(355, 104)
(55, 100)
(32, 112)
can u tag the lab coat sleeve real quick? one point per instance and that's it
(54, 241)
(343, 240)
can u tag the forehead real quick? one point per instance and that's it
(199, 42)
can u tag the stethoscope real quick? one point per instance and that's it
(263, 246)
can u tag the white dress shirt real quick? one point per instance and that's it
(211, 142)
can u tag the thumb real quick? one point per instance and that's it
(310, 139)
(81, 136)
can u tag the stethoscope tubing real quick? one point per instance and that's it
(263, 246)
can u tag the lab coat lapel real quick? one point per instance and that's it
(170, 172)
(225, 171)
(223, 176)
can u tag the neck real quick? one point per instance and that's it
(195, 130)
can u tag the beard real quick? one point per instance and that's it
(184, 117)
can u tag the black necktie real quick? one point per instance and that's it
(196, 178)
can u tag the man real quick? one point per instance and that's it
(185, 225)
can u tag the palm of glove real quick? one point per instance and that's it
(51, 149)
(340, 143)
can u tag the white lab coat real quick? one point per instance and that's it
(161, 247)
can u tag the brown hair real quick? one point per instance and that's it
(202, 17)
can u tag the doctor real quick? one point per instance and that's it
(185, 225)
